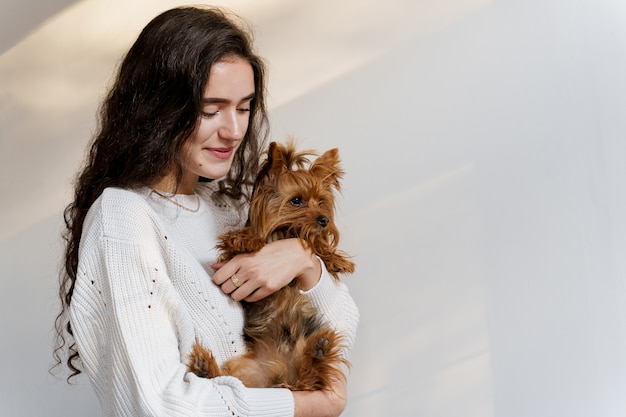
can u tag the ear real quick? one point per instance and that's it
(327, 168)
(273, 166)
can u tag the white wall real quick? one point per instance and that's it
(484, 199)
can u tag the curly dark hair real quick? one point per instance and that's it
(151, 110)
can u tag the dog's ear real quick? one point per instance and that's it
(273, 166)
(277, 155)
(327, 167)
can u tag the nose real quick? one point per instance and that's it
(322, 221)
(234, 125)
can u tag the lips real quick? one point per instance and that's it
(221, 153)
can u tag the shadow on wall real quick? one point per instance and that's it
(18, 18)
(30, 265)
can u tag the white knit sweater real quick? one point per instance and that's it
(144, 295)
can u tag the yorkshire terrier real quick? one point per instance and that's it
(288, 344)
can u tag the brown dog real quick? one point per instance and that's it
(289, 345)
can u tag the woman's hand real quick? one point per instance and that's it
(262, 273)
(323, 403)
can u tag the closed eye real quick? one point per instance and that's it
(209, 115)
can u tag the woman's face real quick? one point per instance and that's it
(223, 122)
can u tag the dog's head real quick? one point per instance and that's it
(294, 197)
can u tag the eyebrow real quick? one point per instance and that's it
(217, 100)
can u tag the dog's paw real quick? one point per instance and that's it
(338, 264)
(239, 241)
(202, 362)
(321, 346)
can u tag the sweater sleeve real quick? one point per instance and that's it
(333, 300)
(127, 323)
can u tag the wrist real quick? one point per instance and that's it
(311, 272)
(321, 403)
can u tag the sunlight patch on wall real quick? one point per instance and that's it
(308, 44)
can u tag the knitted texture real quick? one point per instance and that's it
(144, 295)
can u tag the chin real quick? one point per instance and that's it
(217, 170)
(215, 174)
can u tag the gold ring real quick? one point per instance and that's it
(235, 281)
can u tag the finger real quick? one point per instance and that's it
(224, 272)
(233, 284)
(256, 295)
(246, 292)
(217, 265)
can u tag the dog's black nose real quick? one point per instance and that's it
(322, 221)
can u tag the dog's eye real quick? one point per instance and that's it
(296, 201)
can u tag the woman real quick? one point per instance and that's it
(169, 170)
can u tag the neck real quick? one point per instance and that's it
(168, 185)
